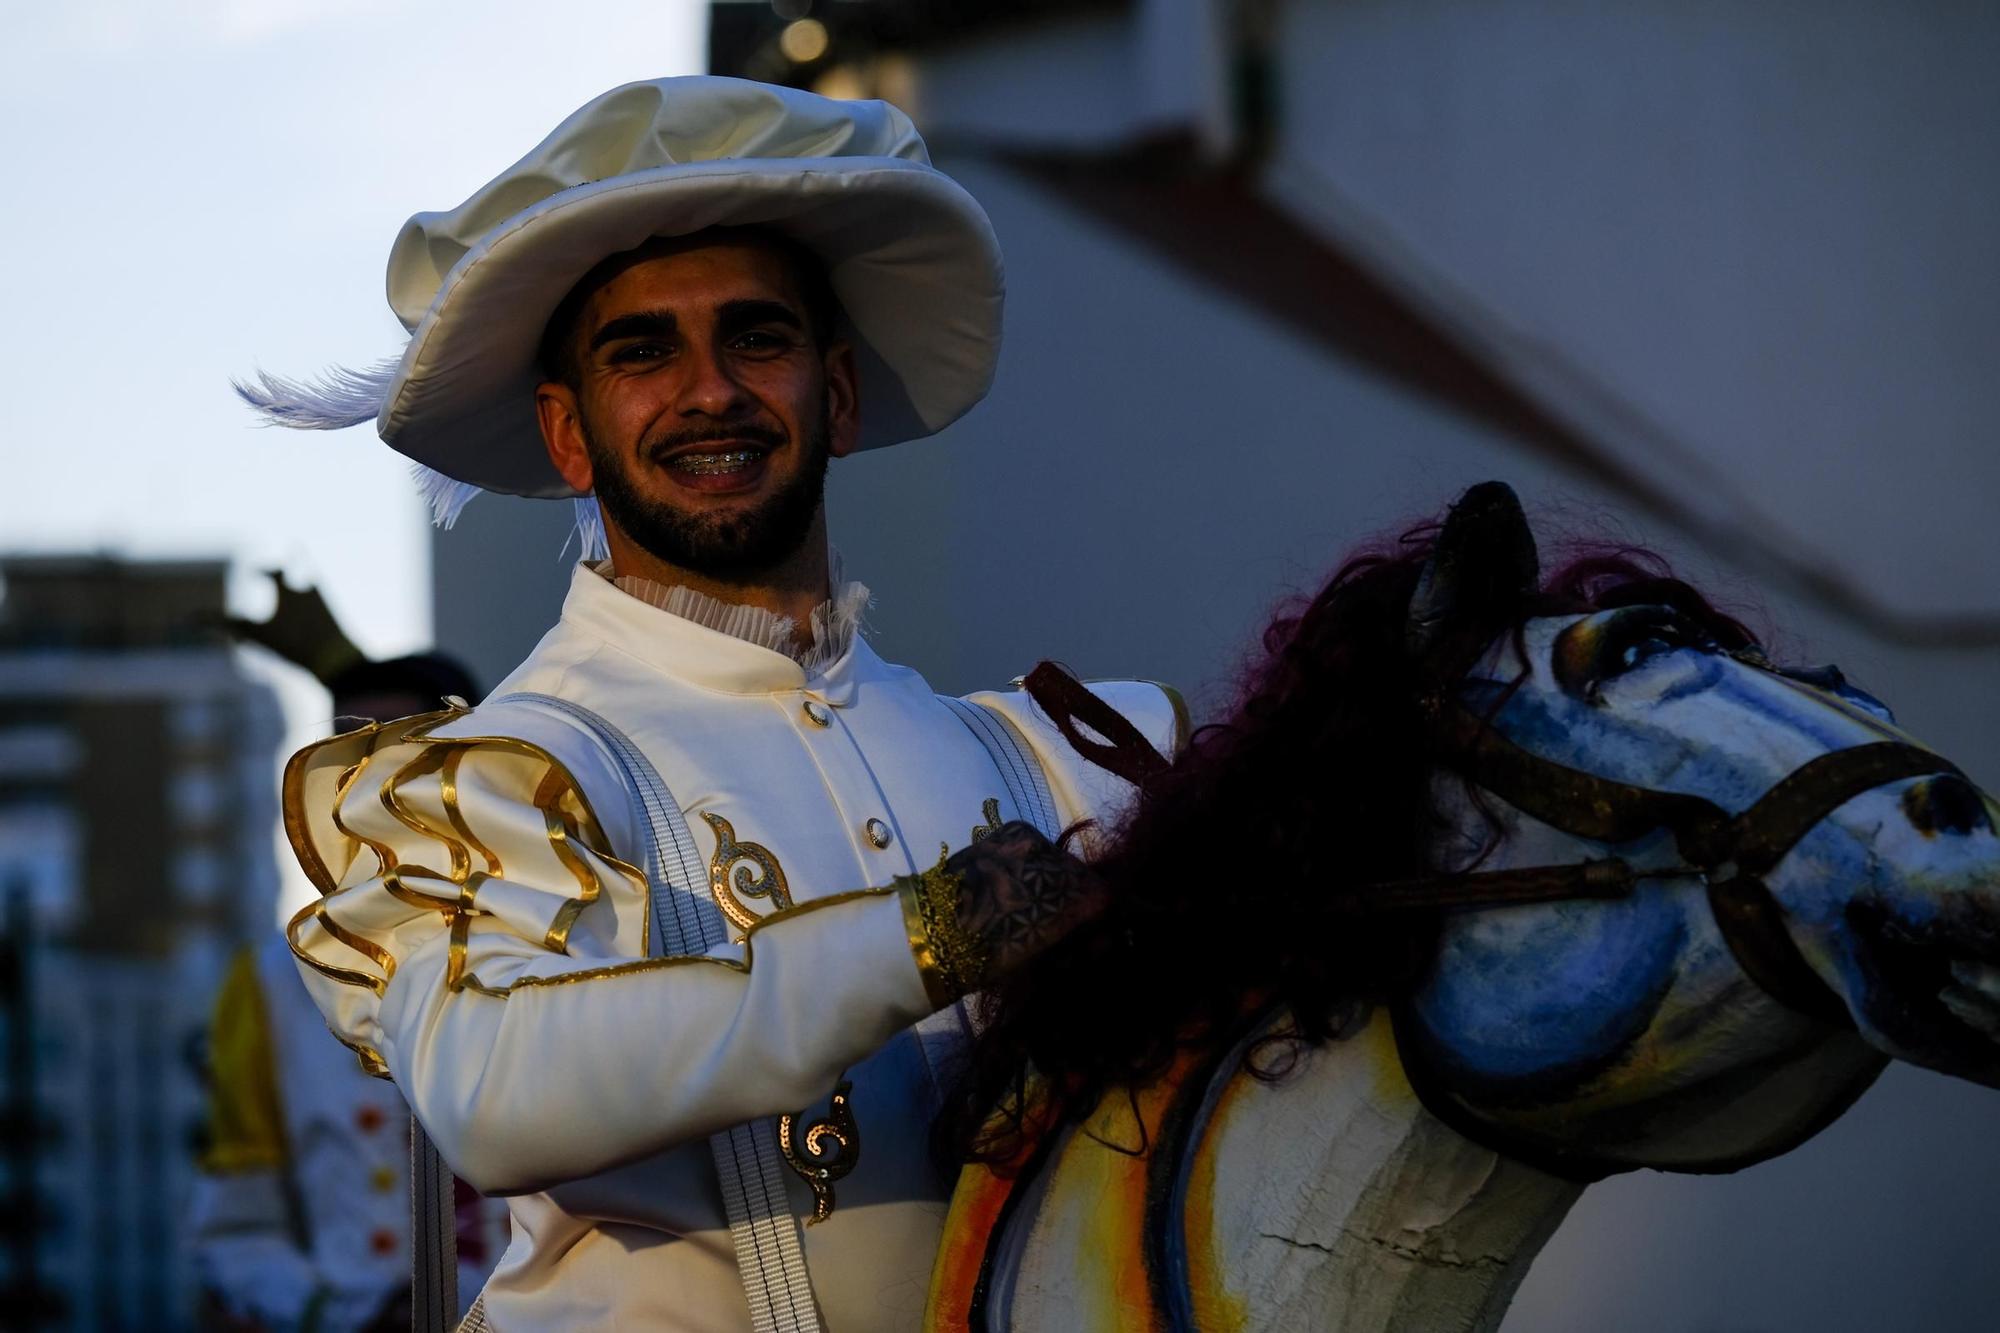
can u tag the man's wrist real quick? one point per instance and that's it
(952, 962)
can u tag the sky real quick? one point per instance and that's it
(200, 188)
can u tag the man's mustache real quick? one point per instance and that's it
(747, 433)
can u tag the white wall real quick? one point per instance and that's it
(1768, 228)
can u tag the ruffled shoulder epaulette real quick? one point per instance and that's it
(410, 827)
(318, 775)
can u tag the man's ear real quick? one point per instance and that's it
(843, 401)
(561, 420)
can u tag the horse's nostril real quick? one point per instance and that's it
(1945, 804)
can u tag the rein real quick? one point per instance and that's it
(1731, 854)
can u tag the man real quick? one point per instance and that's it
(300, 1215)
(668, 910)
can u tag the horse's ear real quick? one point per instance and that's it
(1484, 557)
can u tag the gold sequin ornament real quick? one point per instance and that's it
(757, 875)
(990, 812)
(824, 1150)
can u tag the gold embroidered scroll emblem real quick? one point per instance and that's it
(990, 812)
(825, 1151)
(757, 875)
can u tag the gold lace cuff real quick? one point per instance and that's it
(953, 963)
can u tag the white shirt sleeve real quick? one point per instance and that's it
(477, 941)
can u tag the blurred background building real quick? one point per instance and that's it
(136, 807)
(1284, 274)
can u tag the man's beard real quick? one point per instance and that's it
(734, 548)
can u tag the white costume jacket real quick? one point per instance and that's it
(482, 939)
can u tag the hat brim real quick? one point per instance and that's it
(909, 253)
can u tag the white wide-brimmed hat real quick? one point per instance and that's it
(910, 255)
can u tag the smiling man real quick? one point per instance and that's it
(659, 940)
(697, 386)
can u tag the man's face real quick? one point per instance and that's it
(704, 411)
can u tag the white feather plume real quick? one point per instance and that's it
(340, 397)
(591, 543)
(335, 399)
(447, 496)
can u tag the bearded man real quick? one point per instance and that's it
(659, 940)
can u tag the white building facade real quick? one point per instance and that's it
(136, 815)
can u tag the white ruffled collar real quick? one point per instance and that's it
(834, 621)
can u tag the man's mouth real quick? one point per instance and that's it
(714, 463)
(721, 467)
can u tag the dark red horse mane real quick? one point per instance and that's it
(1229, 869)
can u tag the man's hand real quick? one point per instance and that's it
(1020, 893)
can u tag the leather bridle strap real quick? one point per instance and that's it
(1760, 837)
(1596, 809)
(1611, 877)
(1733, 854)
(1749, 915)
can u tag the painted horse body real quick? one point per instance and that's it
(1330, 1200)
(1553, 1042)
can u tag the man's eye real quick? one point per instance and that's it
(759, 340)
(638, 352)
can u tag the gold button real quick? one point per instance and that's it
(878, 834)
(383, 1179)
(817, 715)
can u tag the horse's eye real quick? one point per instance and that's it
(1605, 646)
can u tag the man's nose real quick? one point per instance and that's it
(707, 387)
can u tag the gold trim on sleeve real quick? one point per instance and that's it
(936, 987)
(563, 833)
(298, 830)
(460, 929)
(448, 793)
(950, 961)
(371, 1059)
(568, 820)
(431, 759)
(637, 965)
(381, 957)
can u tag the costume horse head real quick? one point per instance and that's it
(1489, 887)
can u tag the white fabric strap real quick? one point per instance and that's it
(770, 1252)
(1020, 772)
(433, 1237)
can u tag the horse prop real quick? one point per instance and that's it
(1650, 901)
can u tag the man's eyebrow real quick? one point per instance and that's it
(641, 324)
(753, 311)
